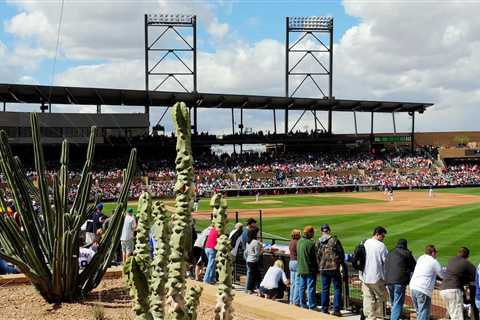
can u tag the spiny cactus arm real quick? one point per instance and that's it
(93, 273)
(40, 282)
(42, 184)
(158, 277)
(223, 308)
(64, 176)
(80, 215)
(193, 300)
(32, 190)
(137, 280)
(13, 240)
(84, 186)
(141, 252)
(58, 246)
(181, 219)
(33, 233)
(3, 205)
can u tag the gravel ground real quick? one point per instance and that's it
(111, 297)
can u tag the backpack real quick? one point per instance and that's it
(359, 256)
(329, 254)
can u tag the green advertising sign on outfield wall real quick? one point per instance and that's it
(383, 139)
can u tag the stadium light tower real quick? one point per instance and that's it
(160, 25)
(314, 28)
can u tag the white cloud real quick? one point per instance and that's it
(407, 51)
(217, 29)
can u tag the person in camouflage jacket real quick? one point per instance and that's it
(330, 257)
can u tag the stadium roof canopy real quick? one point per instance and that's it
(20, 93)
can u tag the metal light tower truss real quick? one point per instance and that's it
(315, 29)
(159, 25)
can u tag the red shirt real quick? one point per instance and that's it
(212, 238)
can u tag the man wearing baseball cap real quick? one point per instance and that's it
(330, 256)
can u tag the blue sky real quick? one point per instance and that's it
(433, 56)
(249, 21)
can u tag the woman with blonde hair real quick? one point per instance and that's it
(274, 281)
(292, 265)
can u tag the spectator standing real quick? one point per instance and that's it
(94, 222)
(235, 238)
(373, 279)
(460, 272)
(399, 266)
(422, 283)
(199, 257)
(330, 256)
(126, 239)
(292, 265)
(252, 255)
(307, 268)
(251, 224)
(274, 281)
(211, 252)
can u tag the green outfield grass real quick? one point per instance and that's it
(475, 191)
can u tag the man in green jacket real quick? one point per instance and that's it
(307, 268)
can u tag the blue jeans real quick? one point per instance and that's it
(253, 276)
(294, 299)
(210, 273)
(307, 282)
(397, 299)
(327, 278)
(422, 304)
(6, 268)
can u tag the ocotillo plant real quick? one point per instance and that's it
(48, 253)
(223, 308)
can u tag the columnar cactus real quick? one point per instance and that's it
(138, 267)
(159, 288)
(161, 234)
(45, 246)
(182, 217)
(223, 308)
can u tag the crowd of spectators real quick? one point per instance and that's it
(267, 170)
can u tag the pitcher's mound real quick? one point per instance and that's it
(263, 202)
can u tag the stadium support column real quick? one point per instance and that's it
(412, 135)
(355, 122)
(233, 130)
(241, 129)
(330, 80)
(194, 32)
(287, 43)
(147, 95)
(274, 121)
(371, 130)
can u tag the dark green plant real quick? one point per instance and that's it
(47, 253)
